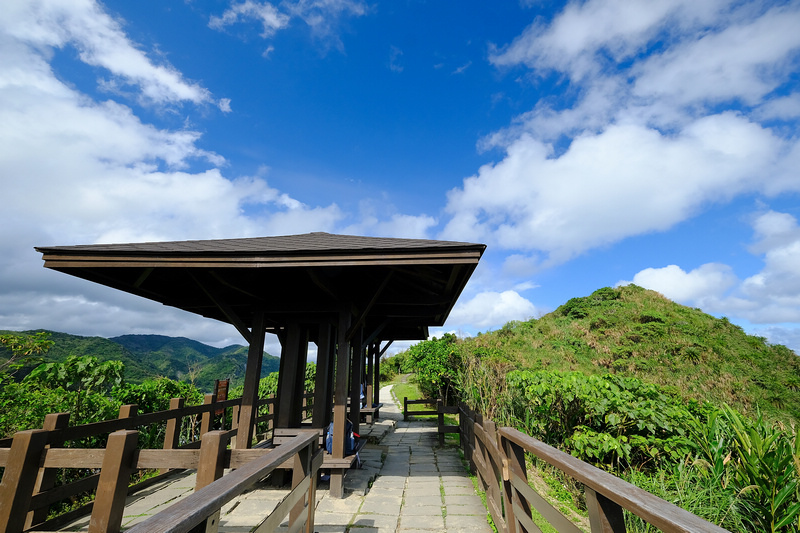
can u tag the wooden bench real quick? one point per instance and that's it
(370, 414)
(337, 467)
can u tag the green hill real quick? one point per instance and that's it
(149, 356)
(633, 331)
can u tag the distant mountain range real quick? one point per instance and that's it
(150, 356)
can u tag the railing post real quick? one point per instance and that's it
(19, 478)
(128, 411)
(234, 422)
(46, 478)
(172, 435)
(209, 469)
(112, 487)
(301, 469)
(271, 412)
(513, 463)
(405, 407)
(605, 516)
(208, 416)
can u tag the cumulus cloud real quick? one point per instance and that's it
(635, 145)
(625, 181)
(491, 310)
(706, 282)
(771, 296)
(100, 42)
(76, 171)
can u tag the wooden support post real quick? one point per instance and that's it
(372, 350)
(355, 380)
(208, 416)
(376, 389)
(340, 399)
(249, 405)
(210, 468)
(322, 392)
(605, 516)
(19, 478)
(46, 478)
(291, 377)
(112, 487)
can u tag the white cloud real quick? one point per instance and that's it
(771, 296)
(491, 310)
(323, 17)
(619, 28)
(100, 42)
(625, 181)
(647, 145)
(707, 281)
(76, 171)
(746, 61)
(265, 13)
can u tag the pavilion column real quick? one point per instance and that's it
(341, 388)
(355, 379)
(252, 375)
(323, 392)
(291, 377)
(376, 389)
(372, 351)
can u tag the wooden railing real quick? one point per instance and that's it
(439, 412)
(32, 458)
(498, 458)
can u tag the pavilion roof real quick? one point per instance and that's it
(396, 288)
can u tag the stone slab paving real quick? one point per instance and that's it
(406, 484)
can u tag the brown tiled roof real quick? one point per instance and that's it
(285, 244)
(402, 285)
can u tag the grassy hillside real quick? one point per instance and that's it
(149, 356)
(634, 331)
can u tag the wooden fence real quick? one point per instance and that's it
(32, 458)
(498, 459)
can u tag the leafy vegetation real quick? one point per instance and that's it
(683, 404)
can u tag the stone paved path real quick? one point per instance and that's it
(407, 484)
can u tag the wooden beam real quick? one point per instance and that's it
(143, 277)
(368, 308)
(226, 310)
(247, 411)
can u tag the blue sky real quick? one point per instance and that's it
(588, 144)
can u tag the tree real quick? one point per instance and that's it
(23, 347)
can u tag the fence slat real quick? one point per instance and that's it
(543, 507)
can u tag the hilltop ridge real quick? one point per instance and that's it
(638, 332)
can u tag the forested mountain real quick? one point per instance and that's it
(149, 356)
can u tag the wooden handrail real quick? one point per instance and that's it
(664, 515)
(192, 510)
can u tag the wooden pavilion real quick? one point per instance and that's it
(347, 294)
